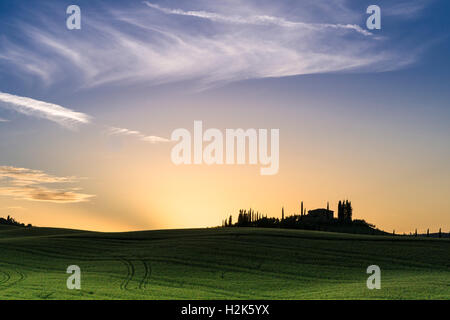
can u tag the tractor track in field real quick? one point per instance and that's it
(130, 273)
(147, 274)
(7, 277)
(5, 284)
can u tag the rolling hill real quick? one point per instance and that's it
(219, 263)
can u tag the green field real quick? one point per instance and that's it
(225, 263)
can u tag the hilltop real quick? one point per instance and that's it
(320, 219)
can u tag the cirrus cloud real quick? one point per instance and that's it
(258, 20)
(114, 131)
(64, 117)
(205, 43)
(41, 109)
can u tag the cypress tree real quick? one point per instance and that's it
(350, 211)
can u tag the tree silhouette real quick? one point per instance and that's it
(301, 209)
(340, 211)
(12, 222)
(345, 211)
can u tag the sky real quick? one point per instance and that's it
(86, 116)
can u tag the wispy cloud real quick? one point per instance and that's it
(113, 131)
(152, 44)
(62, 116)
(24, 176)
(32, 193)
(13, 208)
(405, 9)
(28, 184)
(41, 109)
(257, 20)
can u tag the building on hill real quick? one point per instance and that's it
(321, 213)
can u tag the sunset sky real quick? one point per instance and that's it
(86, 115)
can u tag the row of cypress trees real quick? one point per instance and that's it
(345, 210)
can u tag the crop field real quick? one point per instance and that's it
(222, 263)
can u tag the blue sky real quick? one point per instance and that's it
(143, 45)
(114, 91)
(140, 43)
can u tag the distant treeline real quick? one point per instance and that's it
(439, 234)
(10, 221)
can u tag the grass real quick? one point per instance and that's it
(231, 263)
